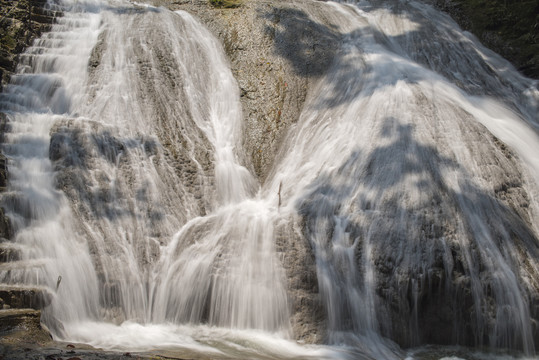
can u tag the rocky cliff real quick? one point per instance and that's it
(276, 52)
(510, 28)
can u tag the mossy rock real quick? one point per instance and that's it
(8, 42)
(226, 4)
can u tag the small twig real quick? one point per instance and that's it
(279, 193)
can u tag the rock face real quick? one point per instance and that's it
(308, 315)
(20, 309)
(24, 297)
(18, 325)
(276, 52)
(5, 225)
(509, 28)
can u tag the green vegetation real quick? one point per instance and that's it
(8, 42)
(226, 4)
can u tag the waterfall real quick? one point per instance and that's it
(155, 218)
(409, 202)
(50, 77)
(412, 174)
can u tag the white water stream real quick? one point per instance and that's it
(128, 180)
(394, 167)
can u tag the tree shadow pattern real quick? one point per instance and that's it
(426, 40)
(442, 266)
(443, 259)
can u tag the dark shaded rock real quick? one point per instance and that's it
(509, 28)
(6, 230)
(24, 297)
(3, 172)
(5, 224)
(9, 252)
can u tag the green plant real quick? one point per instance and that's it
(8, 42)
(227, 4)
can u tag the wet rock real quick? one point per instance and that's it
(5, 224)
(3, 172)
(22, 326)
(510, 29)
(22, 21)
(9, 251)
(308, 314)
(25, 297)
(6, 230)
(275, 52)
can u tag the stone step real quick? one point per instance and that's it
(18, 325)
(11, 318)
(10, 251)
(22, 265)
(24, 297)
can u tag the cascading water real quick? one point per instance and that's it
(411, 206)
(128, 180)
(37, 97)
(145, 141)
